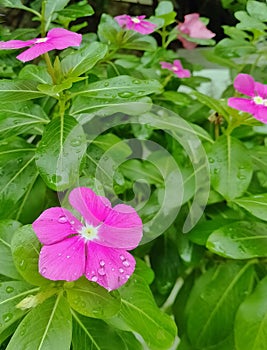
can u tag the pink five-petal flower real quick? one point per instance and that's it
(194, 28)
(95, 247)
(57, 38)
(177, 68)
(257, 103)
(136, 23)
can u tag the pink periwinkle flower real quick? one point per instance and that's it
(194, 28)
(136, 23)
(177, 68)
(256, 104)
(57, 38)
(95, 247)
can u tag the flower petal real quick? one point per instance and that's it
(166, 65)
(62, 38)
(194, 27)
(93, 208)
(64, 260)
(186, 44)
(183, 73)
(261, 114)
(122, 20)
(35, 51)
(122, 228)
(245, 84)
(55, 224)
(15, 44)
(110, 268)
(145, 27)
(260, 90)
(242, 104)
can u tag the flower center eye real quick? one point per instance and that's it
(89, 232)
(260, 101)
(175, 69)
(136, 20)
(40, 40)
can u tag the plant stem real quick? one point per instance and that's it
(50, 68)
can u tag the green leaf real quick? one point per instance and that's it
(7, 267)
(35, 73)
(89, 332)
(20, 90)
(59, 154)
(18, 171)
(257, 10)
(212, 103)
(256, 205)
(25, 249)
(165, 10)
(11, 293)
(20, 118)
(90, 299)
(200, 233)
(249, 23)
(214, 300)
(138, 41)
(251, 320)
(16, 4)
(229, 48)
(74, 11)
(83, 60)
(108, 29)
(52, 6)
(239, 240)
(122, 87)
(84, 108)
(231, 168)
(48, 326)
(164, 260)
(140, 314)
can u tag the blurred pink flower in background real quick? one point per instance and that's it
(57, 38)
(136, 23)
(177, 68)
(95, 247)
(256, 104)
(194, 28)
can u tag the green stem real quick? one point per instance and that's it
(50, 68)
(167, 79)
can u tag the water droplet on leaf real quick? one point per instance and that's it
(125, 94)
(9, 289)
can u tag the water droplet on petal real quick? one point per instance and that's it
(72, 222)
(59, 254)
(127, 276)
(43, 271)
(102, 263)
(9, 289)
(112, 269)
(94, 279)
(126, 263)
(62, 219)
(121, 270)
(101, 271)
(122, 257)
(68, 256)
